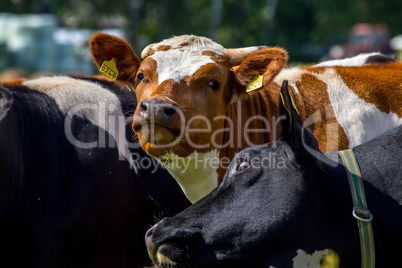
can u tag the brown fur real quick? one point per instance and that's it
(194, 98)
(15, 82)
(267, 61)
(384, 92)
(322, 108)
(104, 47)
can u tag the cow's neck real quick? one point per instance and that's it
(254, 122)
(197, 174)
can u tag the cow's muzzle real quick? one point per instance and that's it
(164, 247)
(158, 111)
(157, 121)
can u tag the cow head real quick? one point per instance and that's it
(184, 85)
(263, 213)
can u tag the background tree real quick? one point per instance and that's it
(293, 24)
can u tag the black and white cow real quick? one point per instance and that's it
(285, 204)
(76, 189)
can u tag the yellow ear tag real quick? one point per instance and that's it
(256, 83)
(109, 69)
(293, 103)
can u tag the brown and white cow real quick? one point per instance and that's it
(194, 113)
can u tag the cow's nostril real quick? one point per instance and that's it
(169, 111)
(150, 231)
(143, 106)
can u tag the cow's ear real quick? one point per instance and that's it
(105, 47)
(266, 62)
(300, 139)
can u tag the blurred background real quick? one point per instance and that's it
(51, 36)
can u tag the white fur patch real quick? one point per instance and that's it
(304, 260)
(293, 75)
(174, 64)
(360, 120)
(181, 61)
(358, 60)
(87, 100)
(196, 174)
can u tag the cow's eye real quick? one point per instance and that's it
(242, 166)
(140, 76)
(214, 84)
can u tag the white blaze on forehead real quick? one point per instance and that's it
(87, 100)
(196, 174)
(176, 65)
(183, 60)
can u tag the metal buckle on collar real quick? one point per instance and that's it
(360, 211)
(362, 214)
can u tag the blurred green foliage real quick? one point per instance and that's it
(234, 23)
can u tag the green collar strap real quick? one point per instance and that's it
(360, 211)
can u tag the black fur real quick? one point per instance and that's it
(64, 206)
(261, 215)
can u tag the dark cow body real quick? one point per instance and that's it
(66, 206)
(262, 216)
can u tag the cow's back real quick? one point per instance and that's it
(31, 159)
(66, 205)
(380, 165)
(346, 106)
